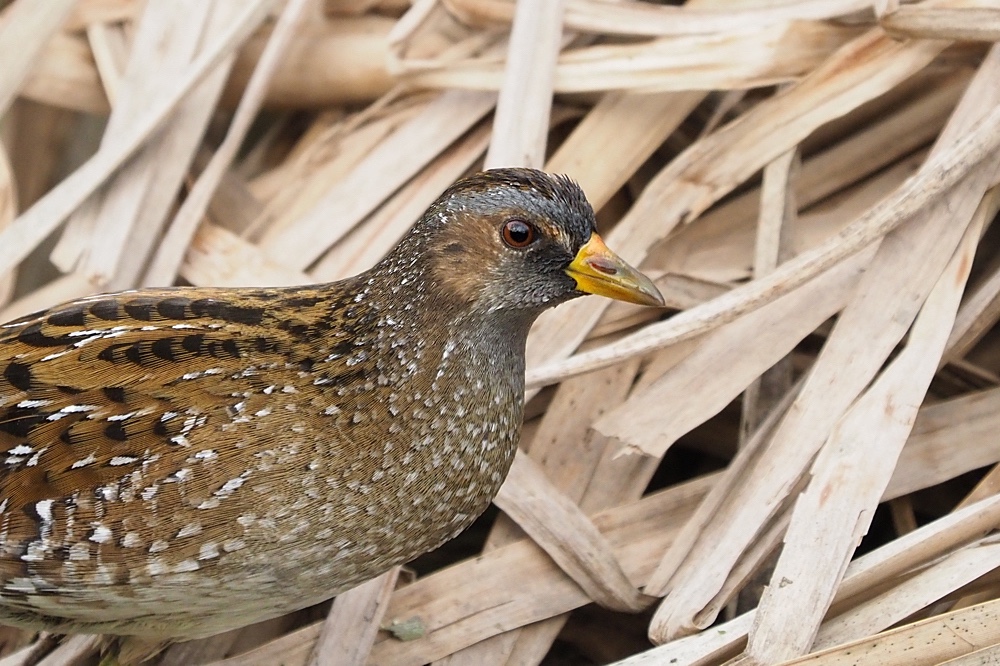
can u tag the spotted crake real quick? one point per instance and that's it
(178, 462)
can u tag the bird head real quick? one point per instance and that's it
(520, 241)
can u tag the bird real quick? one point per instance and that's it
(177, 462)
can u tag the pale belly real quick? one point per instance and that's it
(302, 551)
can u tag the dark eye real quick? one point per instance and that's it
(518, 233)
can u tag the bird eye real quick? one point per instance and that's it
(518, 233)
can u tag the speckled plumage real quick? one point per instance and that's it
(178, 462)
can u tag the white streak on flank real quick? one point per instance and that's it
(34, 459)
(20, 450)
(208, 551)
(121, 417)
(56, 355)
(44, 510)
(86, 341)
(122, 460)
(32, 404)
(158, 546)
(76, 409)
(92, 458)
(81, 334)
(183, 474)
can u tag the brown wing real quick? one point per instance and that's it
(121, 415)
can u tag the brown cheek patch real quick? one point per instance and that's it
(466, 256)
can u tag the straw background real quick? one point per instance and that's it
(794, 463)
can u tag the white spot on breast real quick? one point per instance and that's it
(79, 552)
(185, 566)
(102, 533)
(158, 546)
(44, 510)
(131, 540)
(156, 566)
(208, 551)
(230, 486)
(233, 545)
(189, 530)
(183, 474)
(35, 552)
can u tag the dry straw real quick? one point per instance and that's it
(812, 183)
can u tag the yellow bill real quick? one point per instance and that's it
(598, 270)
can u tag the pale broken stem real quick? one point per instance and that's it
(25, 30)
(908, 263)
(127, 218)
(962, 24)
(909, 552)
(930, 183)
(980, 310)
(688, 535)
(649, 19)
(773, 247)
(107, 44)
(560, 528)
(8, 210)
(168, 259)
(849, 476)
(387, 167)
(521, 122)
(349, 631)
(35, 224)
